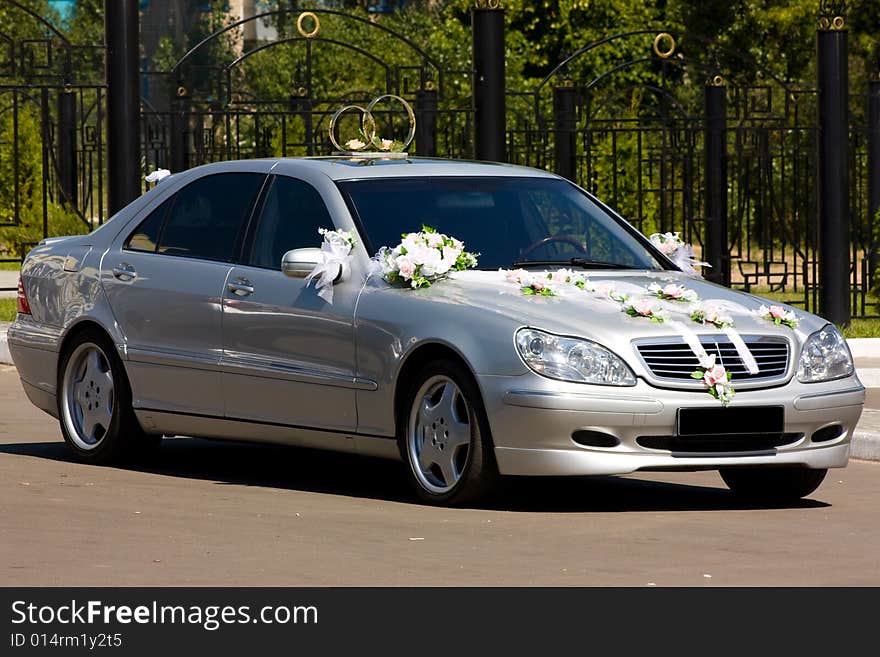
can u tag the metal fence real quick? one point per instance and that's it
(675, 132)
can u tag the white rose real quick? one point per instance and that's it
(420, 253)
(451, 253)
(432, 262)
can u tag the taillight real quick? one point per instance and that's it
(23, 306)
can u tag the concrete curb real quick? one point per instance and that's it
(5, 357)
(864, 347)
(865, 446)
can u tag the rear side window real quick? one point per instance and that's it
(292, 214)
(146, 236)
(208, 216)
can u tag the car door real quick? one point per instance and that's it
(165, 282)
(288, 356)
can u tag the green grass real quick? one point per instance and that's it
(8, 308)
(863, 328)
(10, 266)
(859, 328)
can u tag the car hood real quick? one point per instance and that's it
(579, 313)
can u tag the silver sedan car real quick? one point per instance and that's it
(189, 313)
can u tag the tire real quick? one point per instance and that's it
(446, 445)
(94, 403)
(773, 485)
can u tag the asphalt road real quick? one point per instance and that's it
(210, 513)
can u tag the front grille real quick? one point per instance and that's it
(674, 360)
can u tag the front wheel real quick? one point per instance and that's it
(773, 485)
(444, 436)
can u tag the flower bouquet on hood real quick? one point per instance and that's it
(422, 258)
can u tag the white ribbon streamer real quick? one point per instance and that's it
(334, 259)
(692, 340)
(742, 350)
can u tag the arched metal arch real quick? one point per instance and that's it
(424, 55)
(40, 19)
(679, 37)
(272, 44)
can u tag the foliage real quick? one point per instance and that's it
(8, 310)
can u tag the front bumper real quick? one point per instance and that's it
(533, 418)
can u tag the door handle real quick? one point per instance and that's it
(241, 287)
(124, 272)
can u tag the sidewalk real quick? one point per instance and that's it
(8, 279)
(866, 440)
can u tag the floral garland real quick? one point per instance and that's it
(778, 315)
(643, 308)
(716, 379)
(709, 315)
(544, 284)
(334, 259)
(423, 258)
(533, 285)
(673, 292)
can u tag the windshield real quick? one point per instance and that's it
(508, 221)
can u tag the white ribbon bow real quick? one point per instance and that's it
(334, 259)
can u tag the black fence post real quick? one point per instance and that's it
(489, 82)
(179, 131)
(67, 146)
(715, 181)
(834, 221)
(123, 103)
(565, 121)
(426, 122)
(874, 174)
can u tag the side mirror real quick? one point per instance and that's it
(299, 263)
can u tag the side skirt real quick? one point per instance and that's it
(201, 426)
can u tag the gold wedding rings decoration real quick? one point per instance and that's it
(301, 21)
(668, 41)
(386, 148)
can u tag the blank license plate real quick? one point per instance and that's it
(738, 421)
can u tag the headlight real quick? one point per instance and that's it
(572, 359)
(825, 356)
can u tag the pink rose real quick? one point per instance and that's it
(777, 312)
(538, 285)
(715, 375)
(559, 276)
(673, 291)
(406, 267)
(643, 307)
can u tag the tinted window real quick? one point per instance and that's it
(292, 215)
(146, 235)
(208, 216)
(506, 220)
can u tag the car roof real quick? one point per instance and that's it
(352, 168)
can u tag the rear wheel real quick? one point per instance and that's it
(445, 436)
(772, 484)
(94, 402)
